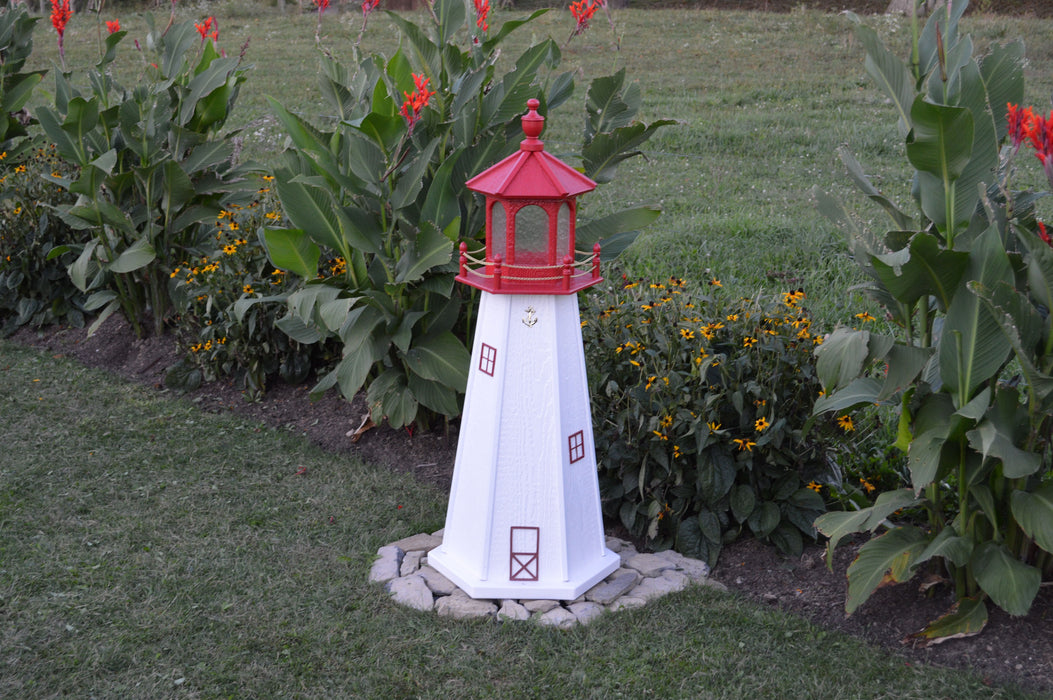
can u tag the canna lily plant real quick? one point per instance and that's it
(382, 196)
(968, 280)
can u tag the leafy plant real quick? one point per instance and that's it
(152, 166)
(16, 87)
(221, 331)
(384, 191)
(966, 280)
(34, 287)
(699, 406)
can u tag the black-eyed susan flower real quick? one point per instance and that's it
(846, 424)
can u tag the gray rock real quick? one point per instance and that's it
(423, 542)
(410, 563)
(695, 569)
(606, 593)
(627, 601)
(626, 553)
(512, 610)
(439, 584)
(387, 566)
(615, 545)
(586, 612)
(411, 591)
(656, 586)
(649, 565)
(558, 617)
(439, 533)
(539, 606)
(460, 607)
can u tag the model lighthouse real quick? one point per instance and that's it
(524, 516)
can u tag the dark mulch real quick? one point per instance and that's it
(1010, 650)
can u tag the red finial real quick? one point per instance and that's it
(533, 124)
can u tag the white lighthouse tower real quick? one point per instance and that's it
(524, 516)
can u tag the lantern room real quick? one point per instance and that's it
(530, 214)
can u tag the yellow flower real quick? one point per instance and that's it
(761, 424)
(666, 422)
(815, 486)
(268, 178)
(744, 445)
(715, 283)
(230, 249)
(662, 436)
(634, 363)
(846, 423)
(865, 317)
(174, 272)
(867, 485)
(272, 215)
(247, 289)
(676, 452)
(3, 155)
(18, 210)
(713, 426)
(20, 169)
(732, 317)
(748, 342)
(650, 381)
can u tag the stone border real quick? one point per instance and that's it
(403, 569)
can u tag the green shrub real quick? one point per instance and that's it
(34, 287)
(222, 330)
(700, 401)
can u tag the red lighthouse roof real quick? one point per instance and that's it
(531, 173)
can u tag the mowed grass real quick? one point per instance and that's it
(762, 101)
(149, 550)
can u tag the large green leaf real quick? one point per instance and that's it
(389, 397)
(1034, 512)
(134, 257)
(861, 391)
(924, 268)
(966, 618)
(900, 220)
(997, 437)
(441, 358)
(292, 249)
(972, 347)
(940, 146)
(427, 250)
(889, 72)
(1011, 583)
(845, 353)
(585, 234)
(608, 106)
(606, 150)
(894, 551)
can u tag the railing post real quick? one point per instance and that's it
(568, 270)
(596, 261)
(463, 261)
(497, 272)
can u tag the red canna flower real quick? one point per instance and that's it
(322, 5)
(1019, 123)
(482, 9)
(416, 101)
(60, 15)
(368, 6)
(1043, 235)
(208, 30)
(582, 13)
(114, 26)
(1040, 132)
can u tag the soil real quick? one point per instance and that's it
(1010, 650)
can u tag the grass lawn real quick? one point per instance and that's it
(150, 550)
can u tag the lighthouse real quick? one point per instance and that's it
(524, 518)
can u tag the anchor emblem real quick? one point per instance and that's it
(531, 317)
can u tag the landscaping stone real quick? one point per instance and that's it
(607, 592)
(654, 587)
(648, 564)
(512, 610)
(586, 611)
(539, 606)
(558, 617)
(423, 542)
(403, 568)
(387, 565)
(460, 607)
(411, 563)
(411, 591)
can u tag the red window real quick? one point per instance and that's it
(576, 442)
(487, 359)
